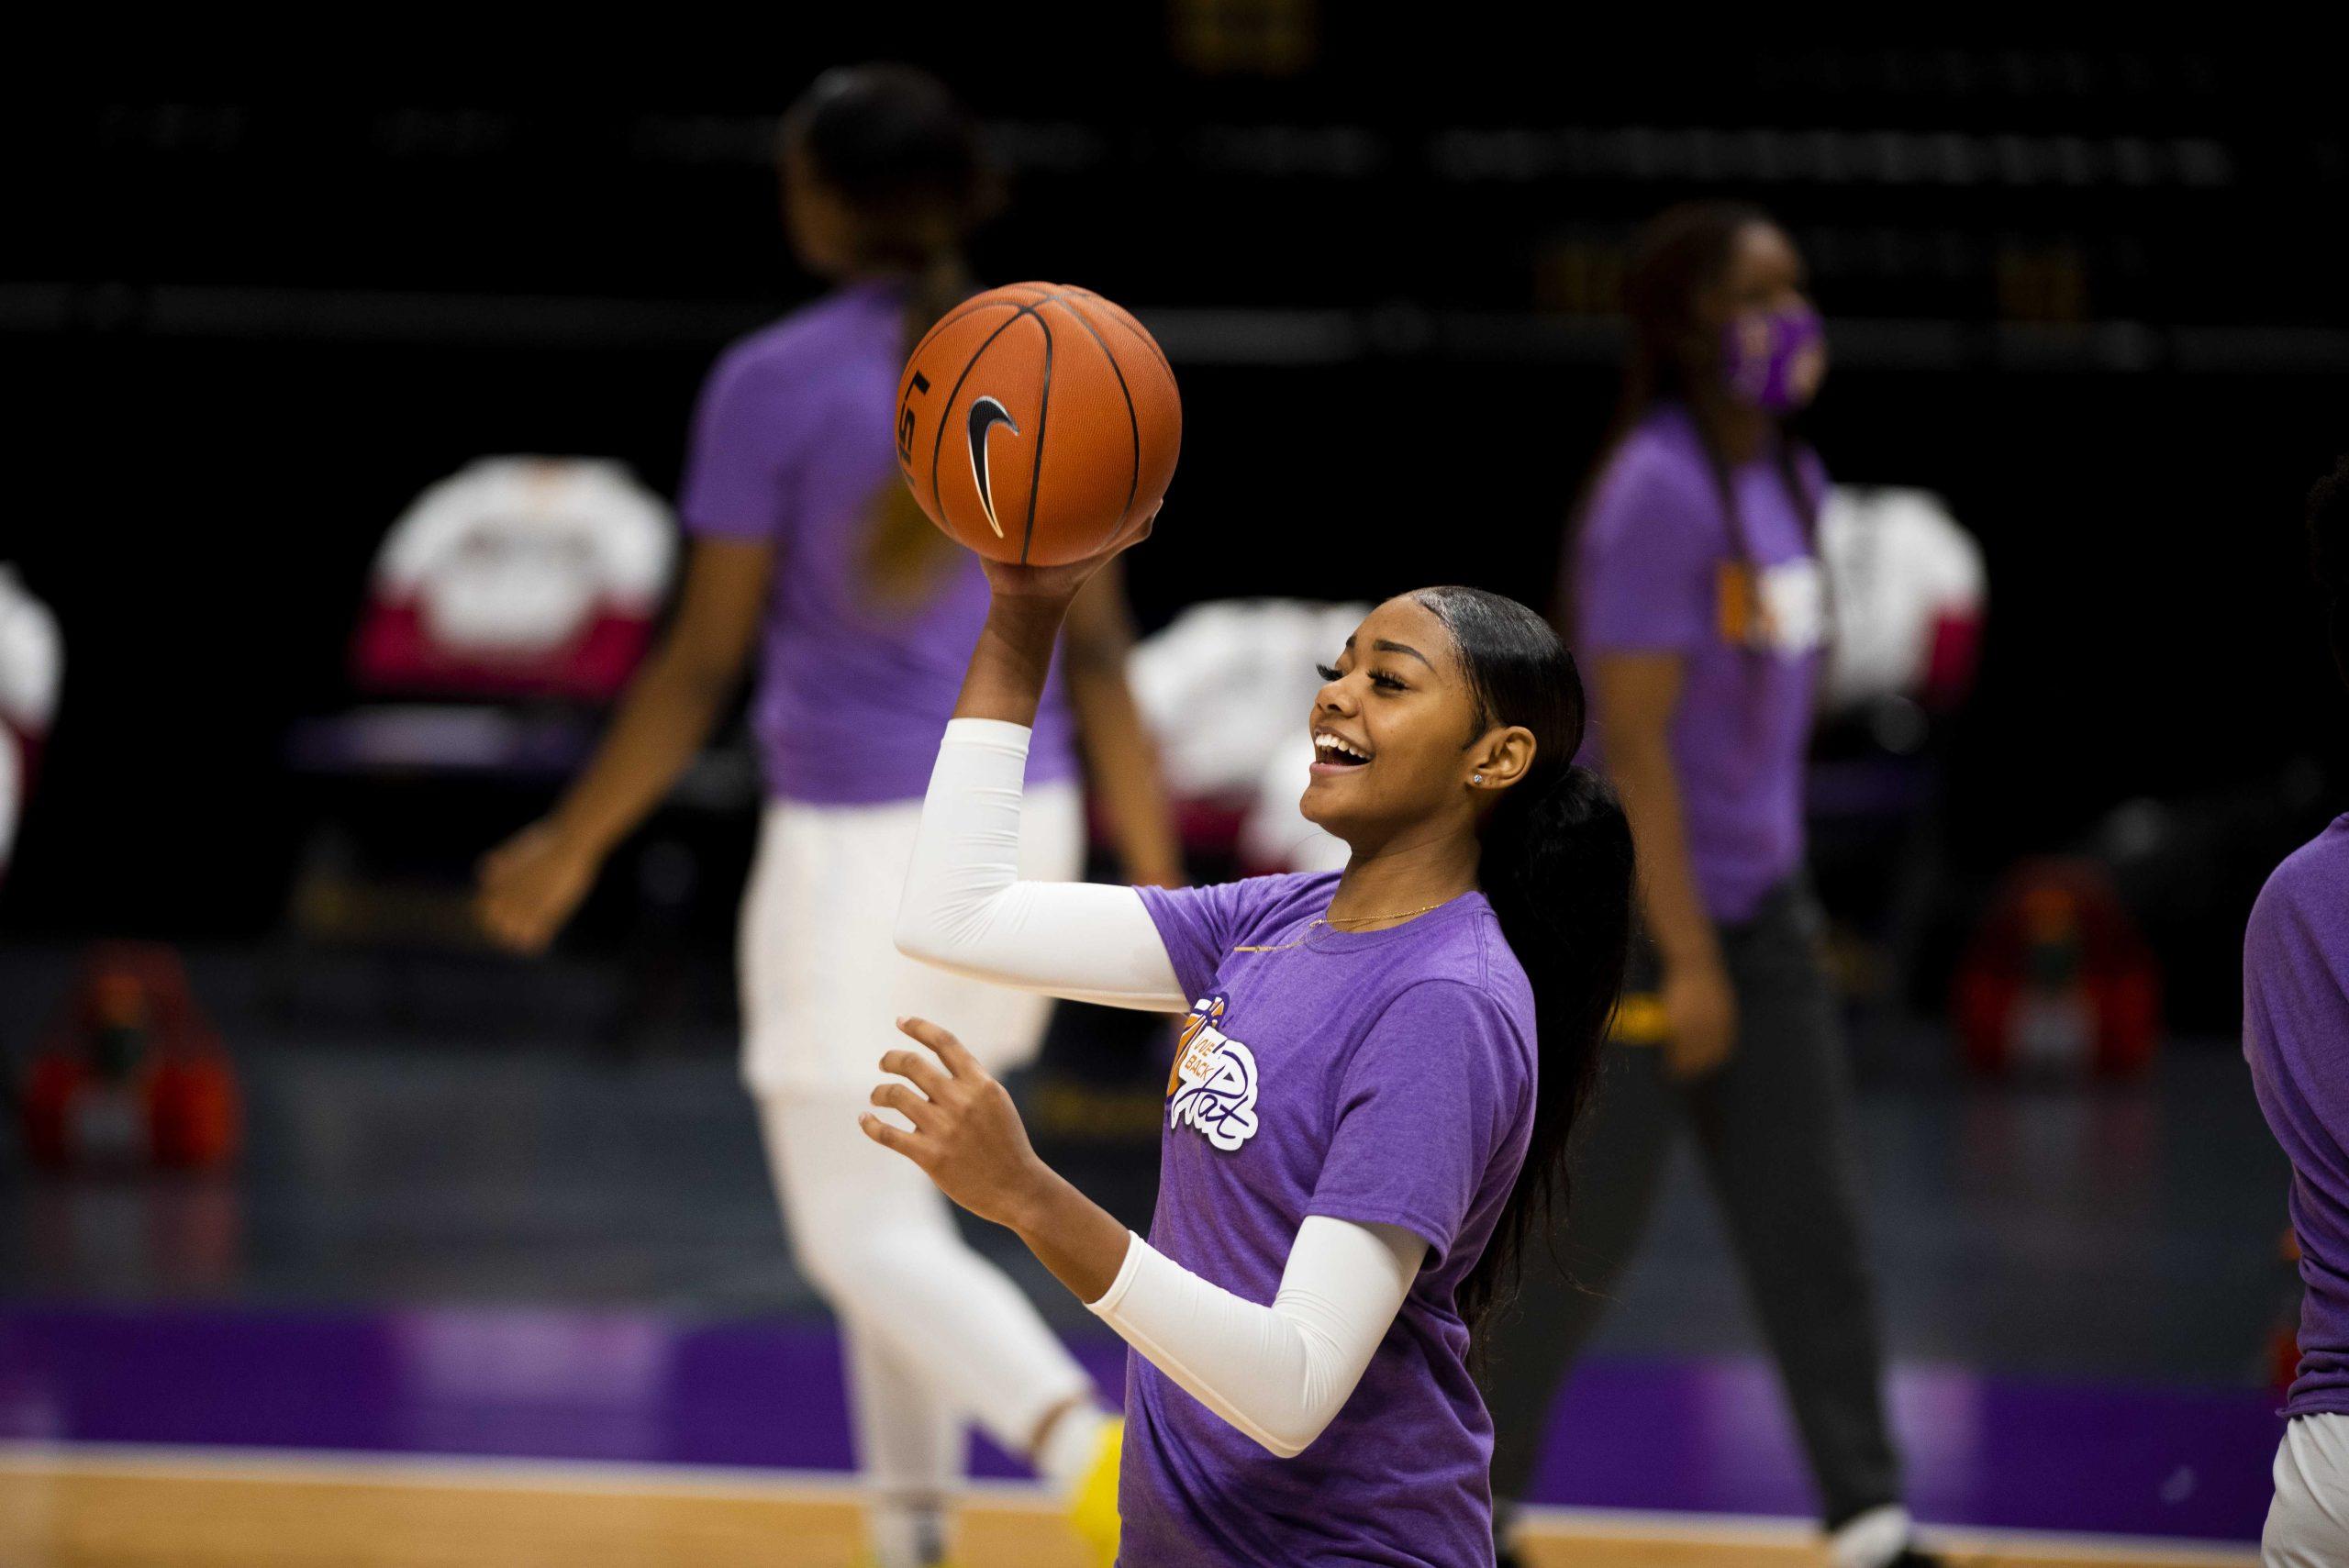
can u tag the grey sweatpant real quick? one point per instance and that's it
(1774, 1131)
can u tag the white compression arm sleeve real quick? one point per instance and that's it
(1279, 1373)
(965, 909)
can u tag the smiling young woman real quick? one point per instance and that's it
(1370, 1098)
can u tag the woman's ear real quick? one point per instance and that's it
(1500, 757)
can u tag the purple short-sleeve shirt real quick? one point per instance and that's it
(1382, 1077)
(2296, 1037)
(791, 446)
(1658, 568)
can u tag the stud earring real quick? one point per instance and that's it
(1477, 778)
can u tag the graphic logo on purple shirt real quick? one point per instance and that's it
(1777, 610)
(1213, 1086)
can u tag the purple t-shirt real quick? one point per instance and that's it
(1384, 1077)
(791, 444)
(1657, 568)
(2296, 1037)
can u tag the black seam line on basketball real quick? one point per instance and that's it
(1124, 319)
(1043, 406)
(1133, 484)
(977, 303)
(966, 308)
(1146, 339)
(1043, 402)
(952, 317)
(1043, 409)
(938, 442)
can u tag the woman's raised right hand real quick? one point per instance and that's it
(529, 886)
(1056, 585)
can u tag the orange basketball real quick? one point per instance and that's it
(1037, 422)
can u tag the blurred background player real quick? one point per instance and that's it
(807, 542)
(1697, 596)
(33, 661)
(2294, 1028)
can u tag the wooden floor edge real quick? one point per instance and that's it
(299, 1466)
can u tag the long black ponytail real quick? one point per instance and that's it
(1556, 867)
(894, 143)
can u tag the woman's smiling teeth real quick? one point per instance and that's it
(1328, 748)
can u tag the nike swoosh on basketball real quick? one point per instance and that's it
(984, 413)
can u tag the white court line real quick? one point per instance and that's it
(1766, 1531)
(480, 1473)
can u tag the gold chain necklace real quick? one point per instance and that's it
(1341, 920)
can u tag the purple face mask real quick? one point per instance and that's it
(1772, 360)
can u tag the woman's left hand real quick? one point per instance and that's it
(967, 1133)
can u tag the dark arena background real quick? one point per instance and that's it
(488, 1269)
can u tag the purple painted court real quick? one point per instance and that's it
(629, 1386)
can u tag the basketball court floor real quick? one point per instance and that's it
(505, 1302)
(130, 1508)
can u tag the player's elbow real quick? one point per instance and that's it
(918, 935)
(1286, 1423)
(942, 937)
(1281, 1447)
(1291, 1433)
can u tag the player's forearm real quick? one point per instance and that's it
(1121, 761)
(1670, 902)
(1082, 1243)
(1006, 680)
(661, 724)
(1277, 1373)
